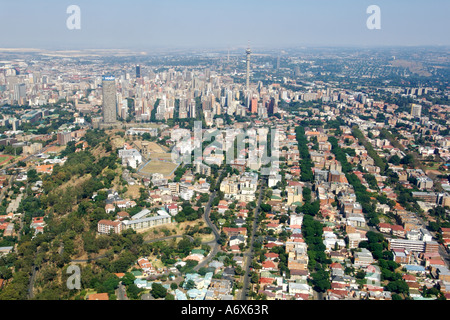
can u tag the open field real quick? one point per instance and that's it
(154, 147)
(157, 166)
(180, 229)
(4, 158)
(161, 156)
(54, 149)
(117, 142)
(133, 191)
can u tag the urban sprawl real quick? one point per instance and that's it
(309, 174)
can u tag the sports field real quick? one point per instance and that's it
(157, 166)
(4, 159)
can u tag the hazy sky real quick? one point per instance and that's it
(139, 24)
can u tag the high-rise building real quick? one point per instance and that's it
(138, 71)
(109, 99)
(63, 138)
(248, 53)
(416, 110)
(19, 91)
(254, 105)
(272, 106)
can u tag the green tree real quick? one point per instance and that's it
(158, 291)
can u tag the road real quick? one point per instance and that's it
(121, 292)
(215, 247)
(445, 255)
(214, 244)
(31, 283)
(249, 254)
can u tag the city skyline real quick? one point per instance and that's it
(225, 151)
(199, 24)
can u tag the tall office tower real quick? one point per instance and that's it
(20, 91)
(138, 71)
(254, 105)
(416, 110)
(229, 95)
(278, 62)
(109, 99)
(272, 106)
(247, 83)
(217, 109)
(192, 109)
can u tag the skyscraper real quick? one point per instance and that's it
(272, 106)
(138, 71)
(109, 99)
(248, 52)
(20, 92)
(254, 105)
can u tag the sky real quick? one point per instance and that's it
(142, 25)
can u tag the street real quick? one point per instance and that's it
(249, 254)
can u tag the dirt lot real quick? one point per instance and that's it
(54, 149)
(157, 166)
(154, 147)
(133, 192)
(117, 142)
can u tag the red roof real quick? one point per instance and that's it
(338, 292)
(409, 277)
(335, 285)
(38, 219)
(268, 264)
(436, 262)
(265, 280)
(271, 245)
(397, 227)
(272, 225)
(303, 296)
(98, 296)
